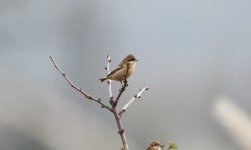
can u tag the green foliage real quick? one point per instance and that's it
(171, 145)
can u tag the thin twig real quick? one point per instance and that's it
(132, 100)
(109, 60)
(79, 89)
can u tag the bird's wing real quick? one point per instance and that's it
(115, 70)
(122, 63)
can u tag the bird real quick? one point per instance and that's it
(155, 145)
(123, 70)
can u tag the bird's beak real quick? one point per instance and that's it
(136, 60)
(162, 146)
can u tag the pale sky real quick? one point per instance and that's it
(189, 52)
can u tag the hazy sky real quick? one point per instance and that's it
(189, 52)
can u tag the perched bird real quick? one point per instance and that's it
(155, 145)
(127, 66)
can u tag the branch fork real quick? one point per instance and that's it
(113, 102)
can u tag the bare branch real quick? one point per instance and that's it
(113, 107)
(132, 100)
(109, 60)
(121, 131)
(79, 89)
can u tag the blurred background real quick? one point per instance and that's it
(189, 52)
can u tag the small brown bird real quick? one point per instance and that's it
(119, 73)
(155, 145)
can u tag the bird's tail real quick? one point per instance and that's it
(103, 79)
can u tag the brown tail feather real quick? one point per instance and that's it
(102, 79)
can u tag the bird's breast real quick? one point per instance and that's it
(131, 68)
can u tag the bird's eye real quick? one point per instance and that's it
(132, 59)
